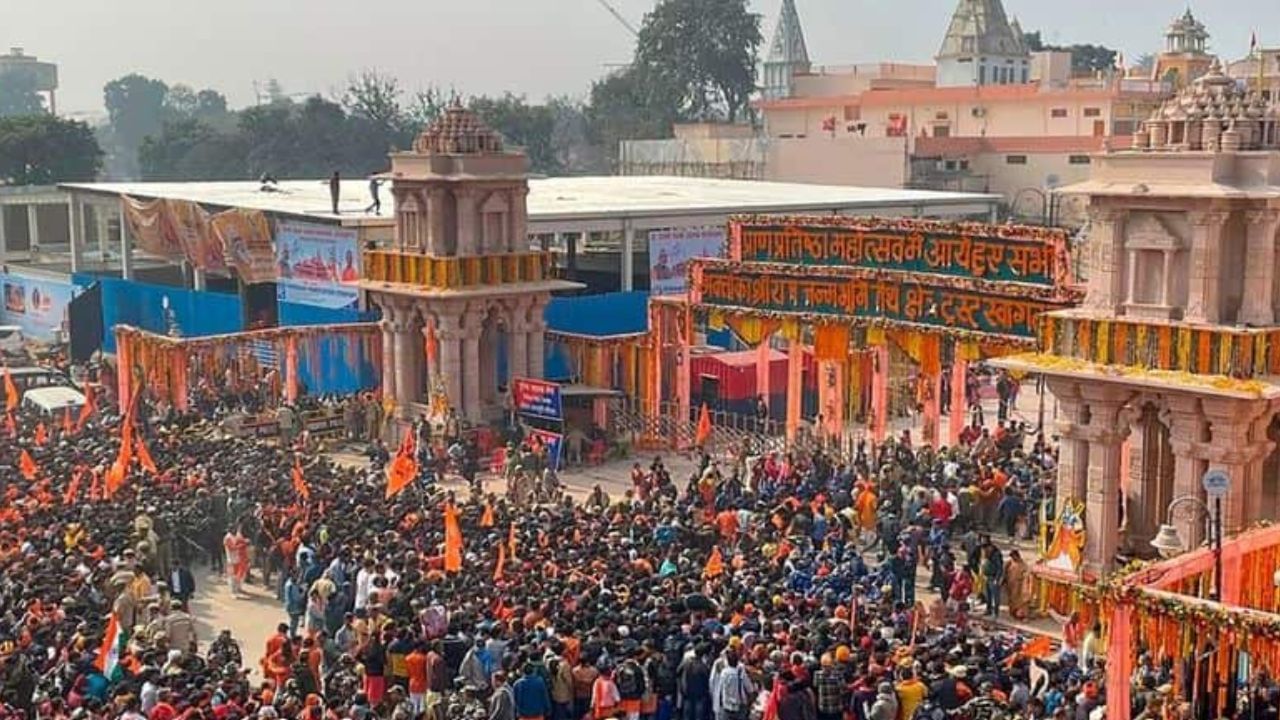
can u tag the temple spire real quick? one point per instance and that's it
(788, 53)
(982, 47)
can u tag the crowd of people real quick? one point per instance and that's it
(779, 587)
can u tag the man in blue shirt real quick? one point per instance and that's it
(532, 699)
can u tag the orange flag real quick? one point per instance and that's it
(452, 540)
(27, 465)
(42, 435)
(90, 404)
(502, 563)
(73, 488)
(11, 394)
(120, 468)
(299, 482)
(511, 539)
(144, 457)
(715, 564)
(403, 468)
(66, 422)
(704, 426)
(486, 518)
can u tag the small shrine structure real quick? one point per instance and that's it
(459, 287)
(1169, 368)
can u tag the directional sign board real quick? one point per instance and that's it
(1216, 483)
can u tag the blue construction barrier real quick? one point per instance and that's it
(195, 313)
(619, 313)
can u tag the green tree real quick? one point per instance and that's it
(43, 149)
(700, 54)
(191, 149)
(1086, 59)
(136, 110)
(623, 107)
(18, 94)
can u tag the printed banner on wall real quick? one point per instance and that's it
(246, 243)
(38, 306)
(317, 265)
(670, 252)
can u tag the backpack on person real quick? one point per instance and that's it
(630, 681)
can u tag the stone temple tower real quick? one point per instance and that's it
(462, 296)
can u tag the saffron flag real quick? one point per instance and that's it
(502, 563)
(90, 404)
(113, 644)
(144, 457)
(27, 465)
(73, 488)
(42, 434)
(299, 482)
(403, 468)
(11, 394)
(511, 539)
(704, 426)
(120, 468)
(715, 564)
(452, 540)
(486, 518)
(67, 425)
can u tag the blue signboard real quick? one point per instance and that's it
(537, 398)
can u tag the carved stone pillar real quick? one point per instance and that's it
(1235, 449)
(1105, 433)
(404, 347)
(537, 338)
(518, 345)
(1186, 438)
(1106, 289)
(388, 354)
(449, 335)
(1140, 488)
(1204, 292)
(436, 242)
(518, 237)
(1259, 267)
(1073, 450)
(467, 218)
(471, 371)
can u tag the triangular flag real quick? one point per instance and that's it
(715, 564)
(704, 426)
(299, 482)
(67, 425)
(452, 540)
(42, 435)
(144, 457)
(11, 394)
(511, 539)
(90, 404)
(73, 488)
(403, 468)
(486, 518)
(27, 465)
(502, 562)
(120, 468)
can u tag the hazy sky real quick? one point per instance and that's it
(534, 47)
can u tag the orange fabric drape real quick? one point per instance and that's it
(11, 394)
(715, 564)
(502, 563)
(831, 342)
(299, 481)
(486, 518)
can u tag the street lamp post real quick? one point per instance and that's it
(1169, 543)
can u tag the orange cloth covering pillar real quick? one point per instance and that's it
(179, 364)
(959, 371)
(795, 387)
(764, 354)
(832, 395)
(124, 368)
(880, 394)
(291, 369)
(684, 341)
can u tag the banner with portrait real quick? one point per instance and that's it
(245, 237)
(37, 305)
(316, 264)
(151, 228)
(670, 252)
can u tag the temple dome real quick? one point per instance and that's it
(1216, 101)
(458, 131)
